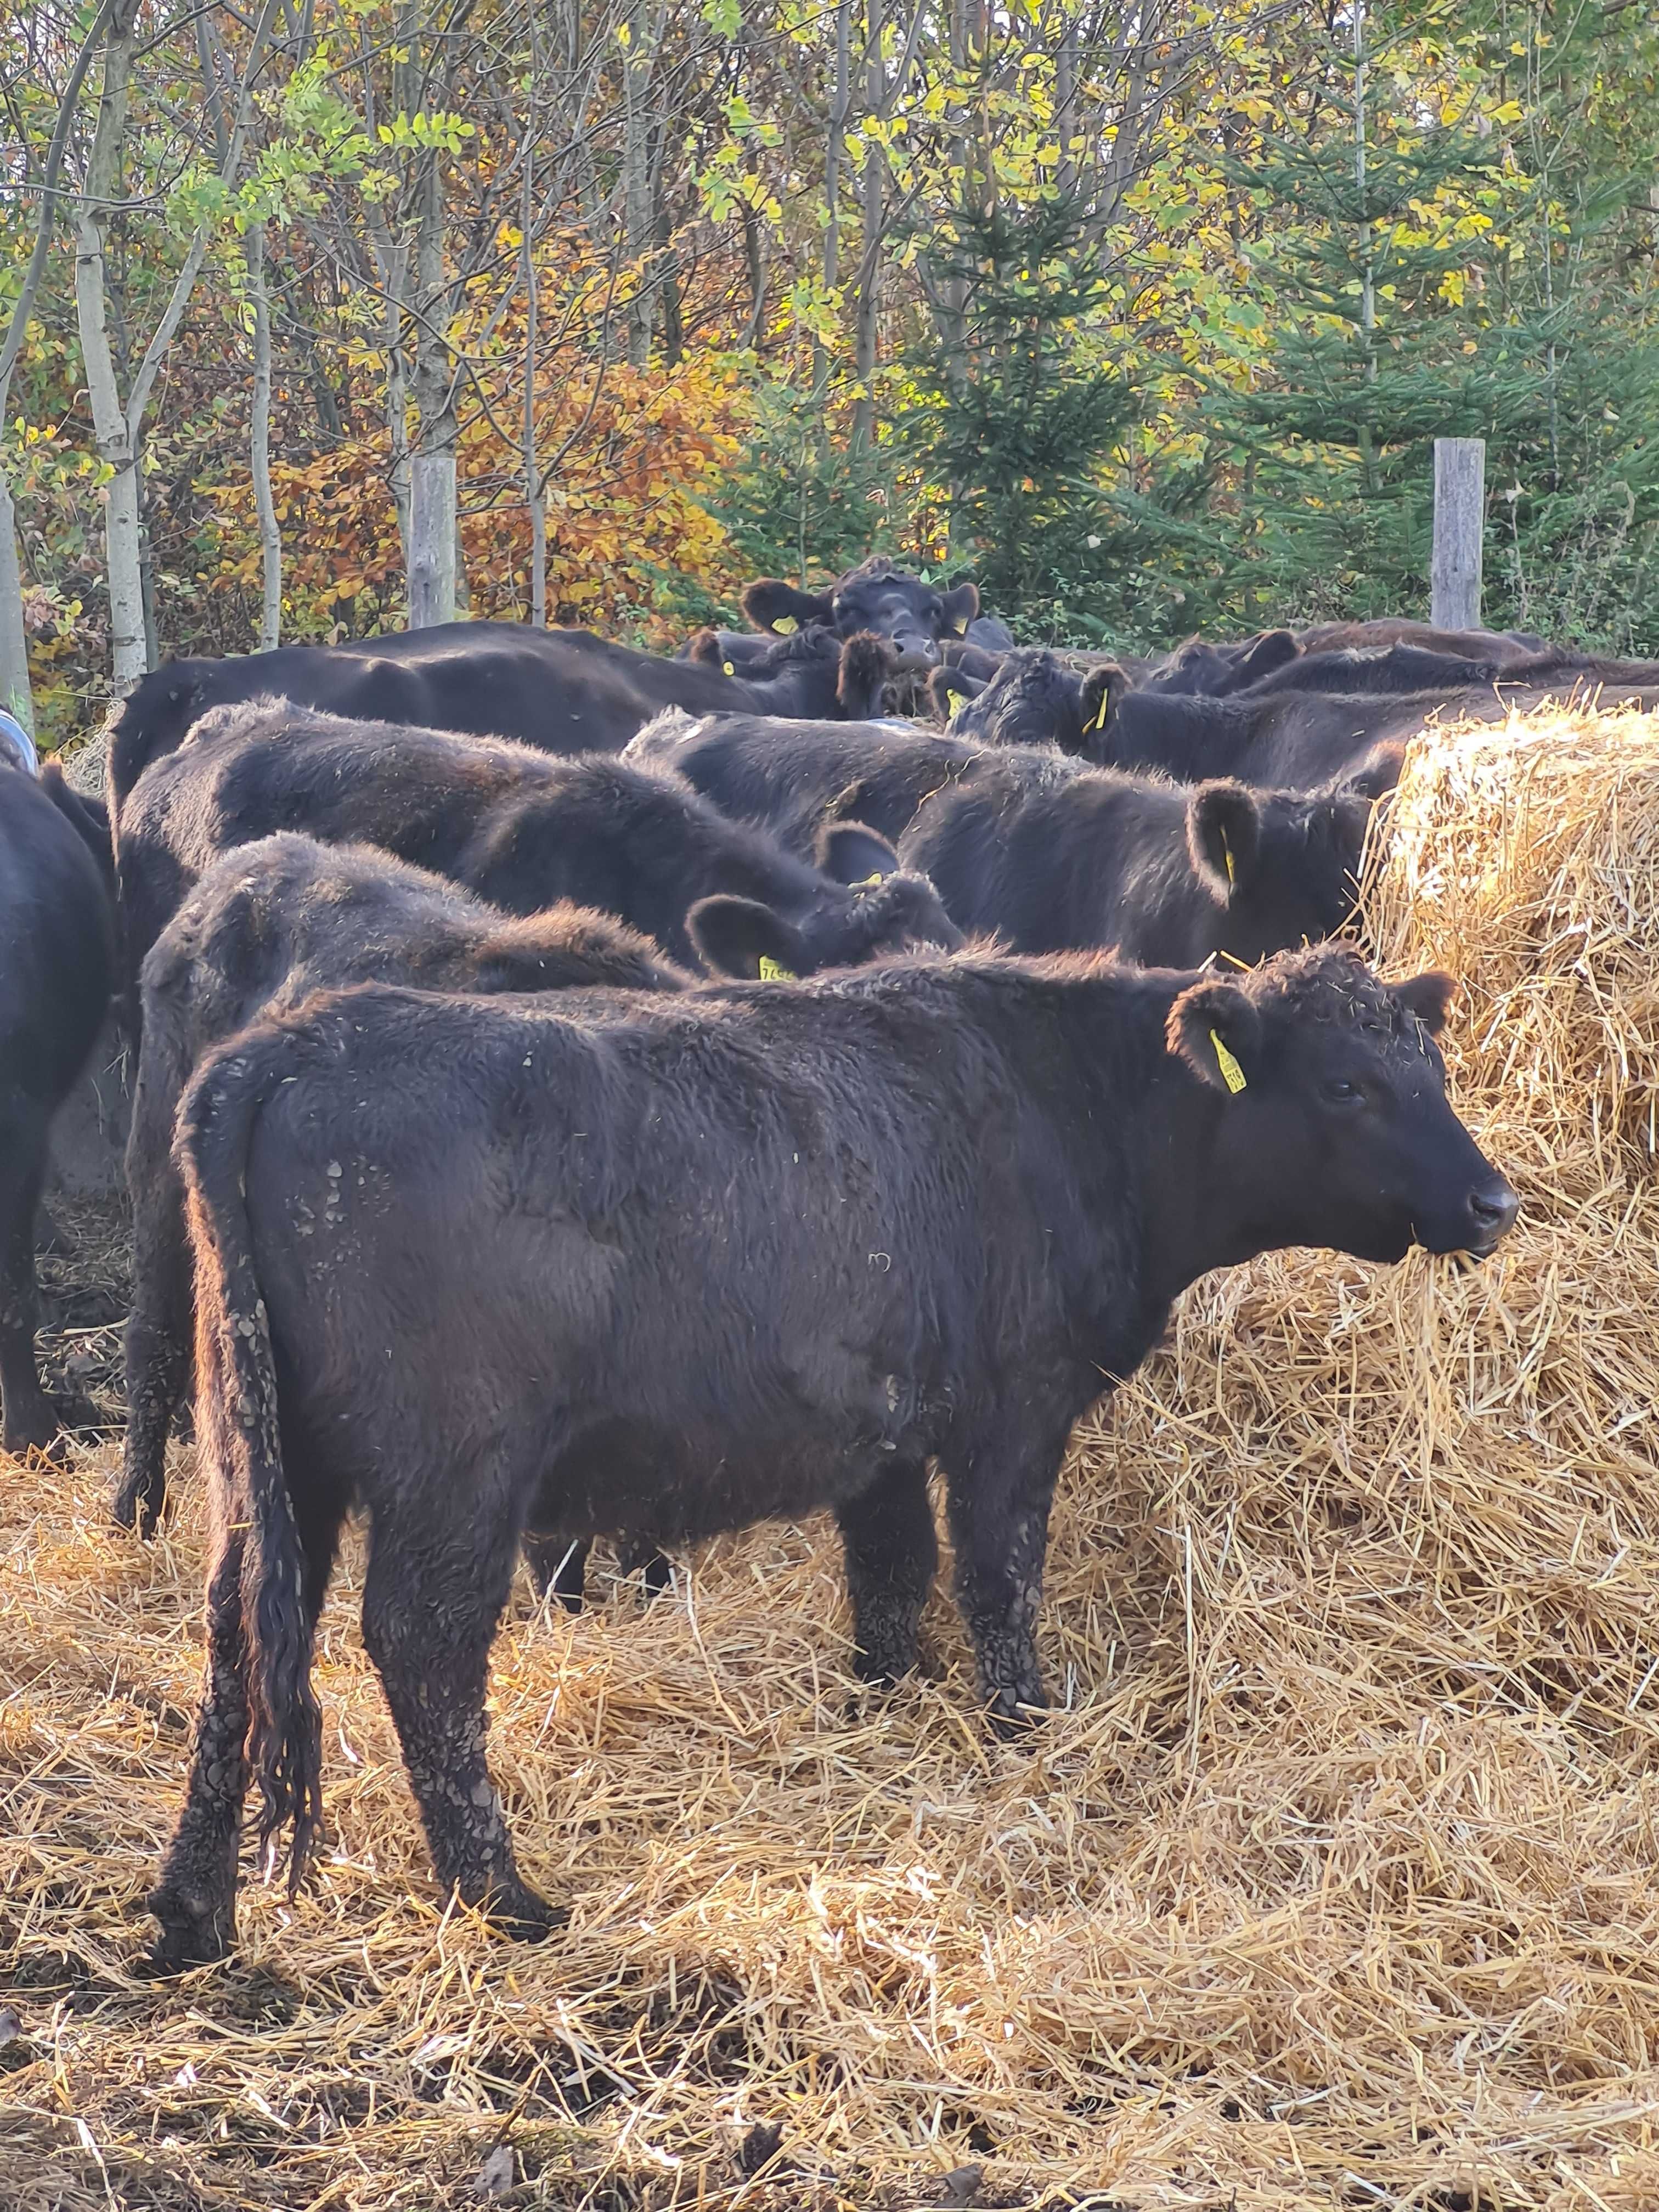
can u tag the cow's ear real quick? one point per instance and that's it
(768, 602)
(961, 605)
(1272, 651)
(705, 647)
(942, 686)
(1216, 1030)
(733, 936)
(866, 662)
(1102, 689)
(850, 853)
(1428, 996)
(1223, 835)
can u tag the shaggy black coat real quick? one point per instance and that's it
(561, 690)
(1039, 849)
(266, 926)
(57, 966)
(520, 829)
(694, 1262)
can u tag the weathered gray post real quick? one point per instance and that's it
(1459, 503)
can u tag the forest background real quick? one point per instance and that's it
(320, 316)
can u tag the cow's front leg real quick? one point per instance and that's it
(998, 1502)
(892, 1552)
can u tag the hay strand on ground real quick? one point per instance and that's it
(1332, 1884)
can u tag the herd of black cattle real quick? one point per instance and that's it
(501, 1176)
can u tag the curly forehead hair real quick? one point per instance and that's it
(1330, 983)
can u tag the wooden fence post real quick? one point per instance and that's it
(1460, 506)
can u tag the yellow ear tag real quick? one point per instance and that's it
(1099, 721)
(1231, 1073)
(867, 883)
(786, 625)
(1227, 855)
(773, 971)
(730, 666)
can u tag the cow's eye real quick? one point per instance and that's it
(1339, 1091)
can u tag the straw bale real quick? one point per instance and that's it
(1332, 1884)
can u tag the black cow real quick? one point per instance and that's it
(1199, 669)
(865, 665)
(267, 924)
(1032, 699)
(1046, 854)
(520, 829)
(875, 596)
(1289, 740)
(697, 1262)
(1041, 848)
(1472, 644)
(561, 690)
(57, 965)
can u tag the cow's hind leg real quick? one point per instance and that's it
(195, 1900)
(430, 1610)
(157, 1347)
(25, 1414)
(999, 1505)
(892, 1552)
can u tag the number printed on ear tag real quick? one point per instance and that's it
(773, 971)
(1231, 1073)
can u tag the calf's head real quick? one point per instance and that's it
(1284, 866)
(857, 905)
(818, 675)
(1333, 1127)
(875, 596)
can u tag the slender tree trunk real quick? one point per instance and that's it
(867, 311)
(1367, 262)
(15, 695)
(534, 491)
(109, 421)
(270, 536)
(833, 153)
(432, 508)
(639, 62)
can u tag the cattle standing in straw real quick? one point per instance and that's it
(695, 1262)
(57, 960)
(522, 830)
(270, 923)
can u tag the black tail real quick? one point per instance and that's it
(237, 1419)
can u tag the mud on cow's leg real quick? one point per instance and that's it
(892, 1552)
(999, 1527)
(27, 1417)
(195, 1900)
(157, 1349)
(430, 1612)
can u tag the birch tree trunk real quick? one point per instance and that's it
(270, 536)
(639, 215)
(432, 516)
(16, 694)
(109, 419)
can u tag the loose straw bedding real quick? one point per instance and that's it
(1332, 1884)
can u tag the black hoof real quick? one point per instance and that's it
(522, 1916)
(192, 1934)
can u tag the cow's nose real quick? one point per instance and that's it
(1492, 1209)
